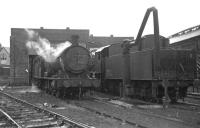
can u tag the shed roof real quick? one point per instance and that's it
(185, 34)
(7, 49)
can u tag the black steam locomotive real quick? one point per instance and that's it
(144, 79)
(146, 67)
(69, 75)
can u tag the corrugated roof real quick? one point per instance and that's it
(185, 34)
(7, 49)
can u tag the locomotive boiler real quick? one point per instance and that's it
(69, 75)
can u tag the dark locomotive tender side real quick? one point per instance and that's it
(69, 75)
(149, 70)
(177, 66)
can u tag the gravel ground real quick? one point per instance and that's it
(186, 119)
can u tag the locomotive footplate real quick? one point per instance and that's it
(80, 83)
(62, 87)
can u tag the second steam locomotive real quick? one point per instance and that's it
(146, 67)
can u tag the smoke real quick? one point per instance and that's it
(43, 47)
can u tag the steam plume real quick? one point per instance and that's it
(43, 47)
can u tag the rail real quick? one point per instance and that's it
(65, 119)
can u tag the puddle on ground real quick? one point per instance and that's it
(33, 89)
(2, 87)
(117, 102)
(74, 107)
(150, 106)
(102, 98)
(60, 108)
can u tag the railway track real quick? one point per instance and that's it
(131, 106)
(121, 119)
(188, 105)
(132, 123)
(183, 106)
(179, 105)
(194, 95)
(6, 121)
(138, 104)
(21, 114)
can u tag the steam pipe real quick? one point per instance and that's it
(156, 28)
(157, 43)
(138, 38)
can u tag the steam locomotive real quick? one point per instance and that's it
(69, 75)
(144, 79)
(147, 67)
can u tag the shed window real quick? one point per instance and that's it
(3, 56)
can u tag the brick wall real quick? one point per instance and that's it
(18, 57)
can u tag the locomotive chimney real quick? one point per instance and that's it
(74, 39)
(91, 36)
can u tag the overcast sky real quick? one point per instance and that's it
(101, 17)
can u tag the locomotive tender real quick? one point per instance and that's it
(68, 75)
(147, 67)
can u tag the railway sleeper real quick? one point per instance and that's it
(41, 124)
(26, 116)
(21, 112)
(8, 126)
(40, 121)
(9, 109)
(34, 119)
(3, 122)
